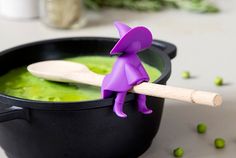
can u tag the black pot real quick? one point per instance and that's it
(88, 129)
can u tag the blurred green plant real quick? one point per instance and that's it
(202, 6)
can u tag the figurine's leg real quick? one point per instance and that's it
(119, 102)
(142, 107)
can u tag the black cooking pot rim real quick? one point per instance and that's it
(80, 105)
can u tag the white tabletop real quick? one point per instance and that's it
(206, 47)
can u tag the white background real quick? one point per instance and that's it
(206, 46)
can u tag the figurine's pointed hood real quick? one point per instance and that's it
(132, 40)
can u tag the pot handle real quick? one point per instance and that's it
(12, 113)
(166, 47)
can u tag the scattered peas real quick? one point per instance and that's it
(185, 74)
(219, 143)
(178, 152)
(201, 128)
(218, 81)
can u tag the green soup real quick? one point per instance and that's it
(20, 83)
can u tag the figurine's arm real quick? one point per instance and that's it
(143, 72)
(132, 74)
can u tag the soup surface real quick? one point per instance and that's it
(20, 83)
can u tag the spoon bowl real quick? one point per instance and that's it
(56, 70)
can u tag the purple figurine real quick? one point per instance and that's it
(128, 70)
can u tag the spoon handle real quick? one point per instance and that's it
(161, 91)
(176, 93)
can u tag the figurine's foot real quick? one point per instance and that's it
(118, 109)
(142, 107)
(120, 114)
(145, 111)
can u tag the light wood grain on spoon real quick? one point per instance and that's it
(65, 71)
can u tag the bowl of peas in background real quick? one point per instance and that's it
(50, 127)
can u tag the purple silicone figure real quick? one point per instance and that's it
(128, 70)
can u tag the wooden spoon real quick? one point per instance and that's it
(65, 71)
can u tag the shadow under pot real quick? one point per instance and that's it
(86, 129)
